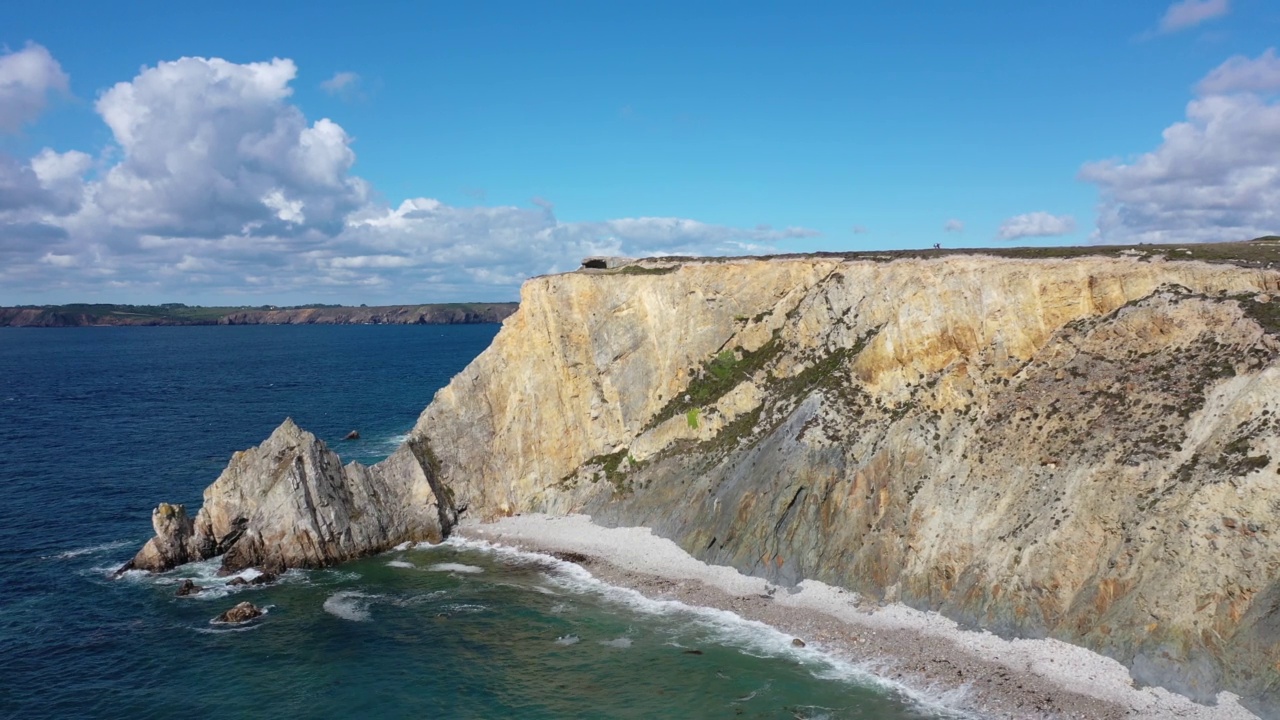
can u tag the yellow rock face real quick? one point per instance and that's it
(588, 359)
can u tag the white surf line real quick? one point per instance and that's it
(1069, 667)
(728, 628)
(91, 550)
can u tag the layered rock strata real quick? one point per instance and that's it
(1084, 448)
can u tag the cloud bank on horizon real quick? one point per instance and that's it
(215, 185)
(216, 180)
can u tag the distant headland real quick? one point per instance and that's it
(100, 315)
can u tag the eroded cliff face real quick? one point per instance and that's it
(1085, 449)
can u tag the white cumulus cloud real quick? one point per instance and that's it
(26, 79)
(1036, 224)
(212, 148)
(1242, 74)
(953, 225)
(1215, 176)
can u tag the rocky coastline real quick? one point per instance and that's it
(1080, 449)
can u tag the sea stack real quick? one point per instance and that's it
(290, 503)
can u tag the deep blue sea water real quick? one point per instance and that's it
(98, 425)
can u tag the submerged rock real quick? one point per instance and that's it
(241, 613)
(291, 503)
(353, 435)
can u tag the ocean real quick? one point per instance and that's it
(98, 425)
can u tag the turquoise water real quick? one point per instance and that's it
(100, 425)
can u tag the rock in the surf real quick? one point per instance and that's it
(241, 613)
(188, 588)
(290, 503)
(175, 542)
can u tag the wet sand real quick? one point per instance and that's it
(976, 672)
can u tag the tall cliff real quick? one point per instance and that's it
(1083, 448)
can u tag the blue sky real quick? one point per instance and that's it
(300, 152)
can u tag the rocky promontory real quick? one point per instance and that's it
(291, 503)
(1084, 448)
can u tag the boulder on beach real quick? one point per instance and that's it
(244, 612)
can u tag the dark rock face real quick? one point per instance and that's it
(242, 613)
(290, 503)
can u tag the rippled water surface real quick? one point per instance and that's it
(98, 425)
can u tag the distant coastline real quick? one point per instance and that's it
(107, 315)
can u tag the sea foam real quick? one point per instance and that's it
(348, 605)
(720, 627)
(91, 550)
(456, 567)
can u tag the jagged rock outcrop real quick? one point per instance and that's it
(291, 503)
(175, 542)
